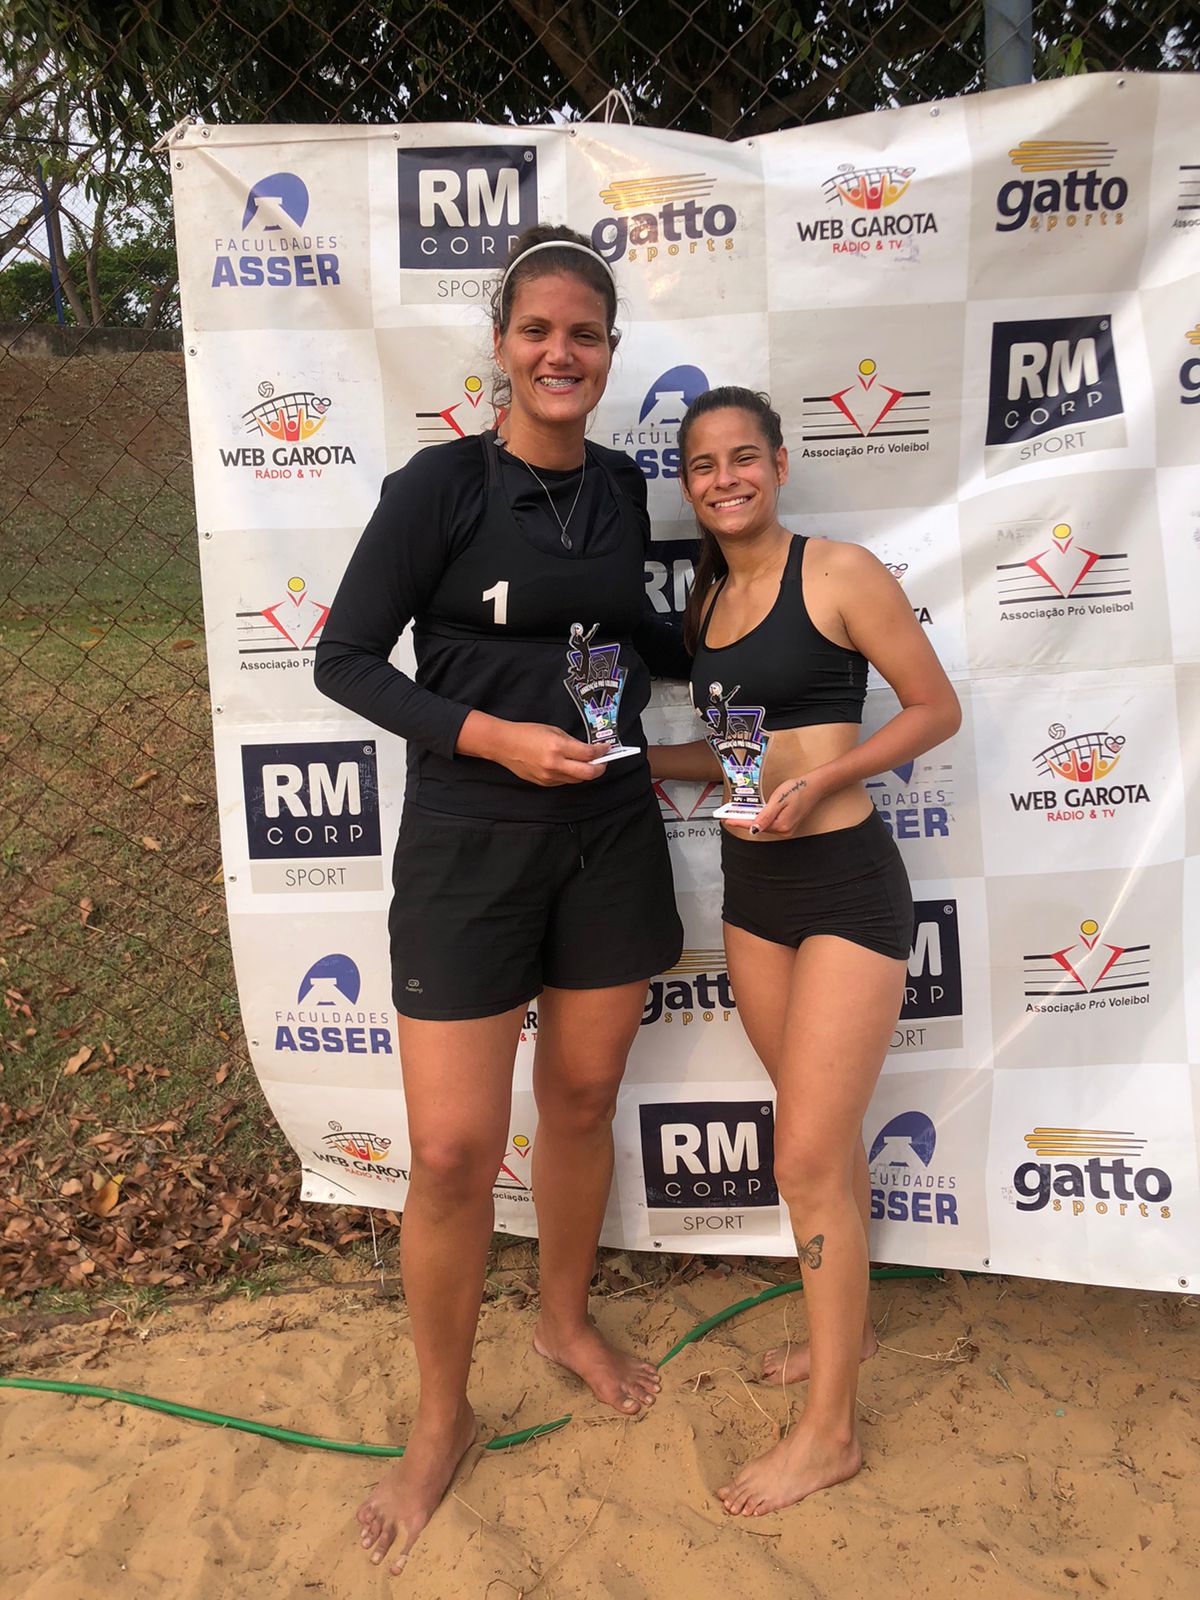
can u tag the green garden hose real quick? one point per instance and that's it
(311, 1441)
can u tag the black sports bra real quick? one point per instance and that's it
(784, 665)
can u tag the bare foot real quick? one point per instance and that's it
(791, 1363)
(618, 1379)
(795, 1467)
(412, 1488)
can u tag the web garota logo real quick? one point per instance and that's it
(362, 1153)
(1063, 570)
(654, 443)
(273, 252)
(903, 1188)
(1081, 761)
(868, 408)
(290, 422)
(287, 418)
(863, 198)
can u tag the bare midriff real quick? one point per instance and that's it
(795, 752)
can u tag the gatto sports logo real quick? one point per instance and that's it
(284, 634)
(905, 1184)
(291, 421)
(712, 1157)
(696, 989)
(273, 250)
(1080, 761)
(1048, 380)
(1066, 183)
(1087, 974)
(668, 216)
(312, 816)
(886, 419)
(654, 442)
(1189, 372)
(461, 207)
(869, 218)
(327, 1019)
(1063, 579)
(364, 1154)
(1090, 1170)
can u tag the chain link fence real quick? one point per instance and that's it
(114, 950)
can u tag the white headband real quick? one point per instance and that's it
(555, 244)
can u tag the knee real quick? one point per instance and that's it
(457, 1166)
(586, 1106)
(810, 1174)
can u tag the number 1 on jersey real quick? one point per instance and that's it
(498, 594)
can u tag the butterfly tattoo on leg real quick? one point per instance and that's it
(810, 1253)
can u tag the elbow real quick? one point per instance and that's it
(952, 713)
(325, 674)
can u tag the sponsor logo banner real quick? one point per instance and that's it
(887, 419)
(706, 1163)
(907, 1184)
(664, 218)
(695, 990)
(931, 1017)
(870, 210)
(277, 246)
(1054, 391)
(326, 1018)
(1091, 1172)
(460, 207)
(283, 634)
(1064, 184)
(312, 816)
(1090, 972)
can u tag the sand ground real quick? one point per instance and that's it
(1021, 1438)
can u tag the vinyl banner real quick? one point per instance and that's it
(980, 321)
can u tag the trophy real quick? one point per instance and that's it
(594, 681)
(735, 735)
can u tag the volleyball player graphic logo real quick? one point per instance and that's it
(1079, 757)
(595, 680)
(735, 735)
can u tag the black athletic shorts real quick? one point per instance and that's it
(850, 882)
(486, 914)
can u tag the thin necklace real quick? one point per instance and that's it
(562, 521)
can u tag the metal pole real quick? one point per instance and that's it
(1008, 42)
(58, 305)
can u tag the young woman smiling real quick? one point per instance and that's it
(523, 867)
(817, 912)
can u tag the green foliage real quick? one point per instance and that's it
(127, 275)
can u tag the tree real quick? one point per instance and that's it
(91, 210)
(741, 68)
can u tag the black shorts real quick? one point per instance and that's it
(850, 882)
(485, 914)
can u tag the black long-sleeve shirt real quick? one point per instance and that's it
(492, 589)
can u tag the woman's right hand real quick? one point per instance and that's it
(533, 751)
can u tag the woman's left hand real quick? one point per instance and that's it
(784, 813)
